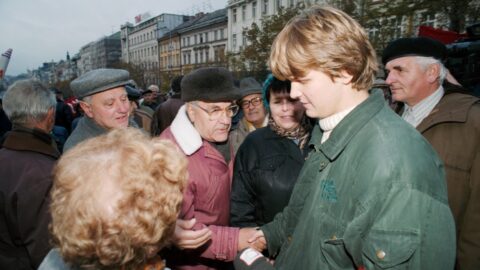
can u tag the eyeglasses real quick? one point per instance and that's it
(217, 112)
(254, 102)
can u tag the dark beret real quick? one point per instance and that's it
(176, 84)
(213, 84)
(419, 46)
(99, 80)
(249, 86)
(132, 92)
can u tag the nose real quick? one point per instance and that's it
(285, 105)
(224, 119)
(390, 78)
(295, 92)
(124, 107)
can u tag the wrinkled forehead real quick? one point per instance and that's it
(222, 104)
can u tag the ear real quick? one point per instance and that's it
(345, 78)
(190, 113)
(433, 72)
(87, 109)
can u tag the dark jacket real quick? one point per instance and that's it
(453, 129)
(265, 172)
(165, 113)
(63, 115)
(373, 196)
(26, 162)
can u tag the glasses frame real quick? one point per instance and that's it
(223, 111)
(252, 102)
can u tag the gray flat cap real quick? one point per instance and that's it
(99, 80)
(250, 86)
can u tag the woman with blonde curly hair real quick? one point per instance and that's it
(115, 200)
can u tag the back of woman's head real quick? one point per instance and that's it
(115, 199)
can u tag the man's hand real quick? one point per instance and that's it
(186, 238)
(258, 241)
(251, 237)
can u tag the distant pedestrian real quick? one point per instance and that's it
(255, 114)
(166, 111)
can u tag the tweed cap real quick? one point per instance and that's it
(419, 46)
(99, 80)
(249, 86)
(213, 84)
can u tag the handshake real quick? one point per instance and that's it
(253, 238)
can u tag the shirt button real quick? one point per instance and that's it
(381, 254)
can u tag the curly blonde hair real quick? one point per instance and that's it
(115, 199)
(324, 39)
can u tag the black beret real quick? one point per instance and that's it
(213, 84)
(99, 80)
(249, 86)
(132, 92)
(419, 46)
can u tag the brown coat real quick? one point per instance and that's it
(453, 129)
(26, 162)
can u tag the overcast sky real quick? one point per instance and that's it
(44, 30)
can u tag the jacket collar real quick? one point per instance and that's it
(348, 127)
(185, 133)
(34, 140)
(452, 107)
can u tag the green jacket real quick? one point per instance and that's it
(373, 195)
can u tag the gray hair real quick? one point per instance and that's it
(425, 62)
(28, 101)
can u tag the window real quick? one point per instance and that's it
(291, 3)
(201, 38)
(206, 36)
(278, 4)
(196, 57)
(265, 7)
(206, 56)
(234, 41)
(222, 34)
(215, 33)
(244, 39)
(254, 9)
(244, 11)
(234, 15)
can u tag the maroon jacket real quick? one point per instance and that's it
(206, 198)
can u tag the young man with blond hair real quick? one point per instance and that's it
(372, 191)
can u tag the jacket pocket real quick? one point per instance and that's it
(336, 255)
(390, 248)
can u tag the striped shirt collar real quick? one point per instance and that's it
(415, 115)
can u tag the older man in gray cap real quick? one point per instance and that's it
(450, 121)
(201, 129)
(254, 112)
(104, 100)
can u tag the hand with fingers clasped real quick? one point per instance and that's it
(251, 237)
(187, 238)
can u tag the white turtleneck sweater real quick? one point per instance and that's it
(327, 124)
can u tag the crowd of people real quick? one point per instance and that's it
(320, 170)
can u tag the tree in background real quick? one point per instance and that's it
(384, 20)
(253, 58)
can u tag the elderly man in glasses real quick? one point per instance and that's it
(202, 237)
(254, 112)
